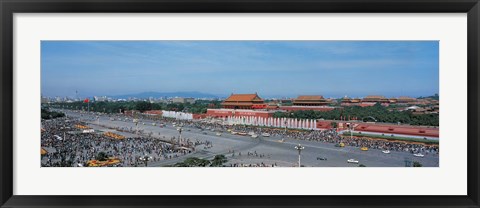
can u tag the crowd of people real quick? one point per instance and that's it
(326, 136)
(76, 149)
(252, 165)
(67, 147)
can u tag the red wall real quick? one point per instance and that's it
(386, 129)
(399, 129)
(324, 124)
(154, 112)
(231, 112)
(291, 108)
(199, 116)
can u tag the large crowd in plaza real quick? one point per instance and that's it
(76, 149)
(326, 136)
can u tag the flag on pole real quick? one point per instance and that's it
(88, 102)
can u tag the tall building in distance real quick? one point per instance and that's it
(100, 98)
(183, 100)
(45, 100)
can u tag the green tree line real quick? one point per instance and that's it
(47, 114)
(377, 113)
(116, 107)
(217, 161)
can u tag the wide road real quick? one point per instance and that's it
(275, 151)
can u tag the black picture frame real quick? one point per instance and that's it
(10, 7)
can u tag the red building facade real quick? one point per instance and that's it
(243, 101)
(310, 100)
(223, 113)
(314, 108)
(386, 129)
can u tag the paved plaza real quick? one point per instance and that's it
(245, 150)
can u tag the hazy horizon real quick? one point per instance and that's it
(227, 95)
(269, 68)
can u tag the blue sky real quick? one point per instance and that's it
(271, 68)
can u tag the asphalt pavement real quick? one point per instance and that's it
(275, 150)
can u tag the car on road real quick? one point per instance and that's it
(418, 155)
(58, 137)
(340, 145)
(254, 136)
(364, 148)
(321, 158)
(218, 134)
(265, 134)
(386, 151)
(352, 161)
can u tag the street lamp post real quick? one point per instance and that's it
(351, 131)
(136, 125)
(299, 147)
(179, 135)
(64, 132)
(285, 132)
(145, 159)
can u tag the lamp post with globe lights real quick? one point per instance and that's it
(136, 125)
(145, 159)
(179, 135)
(299, 147)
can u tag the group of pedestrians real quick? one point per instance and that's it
(81, 148)
(326, 136)
(66, 146)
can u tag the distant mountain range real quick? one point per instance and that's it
(143, 95)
